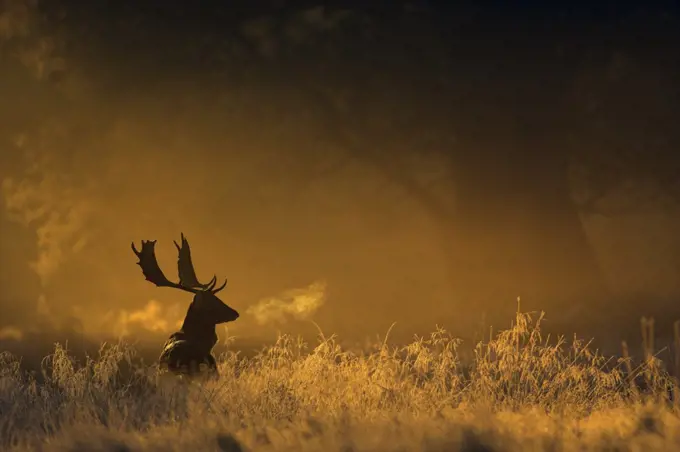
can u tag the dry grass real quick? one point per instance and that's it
(521, 392)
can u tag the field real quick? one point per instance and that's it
(518, 392)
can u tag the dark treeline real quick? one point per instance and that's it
(433, 161)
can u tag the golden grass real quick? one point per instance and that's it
(521, 392)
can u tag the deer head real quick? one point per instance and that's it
(205, 304)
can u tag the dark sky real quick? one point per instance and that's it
(357, 165)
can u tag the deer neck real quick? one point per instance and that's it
(197, 328)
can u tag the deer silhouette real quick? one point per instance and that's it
(189, 350)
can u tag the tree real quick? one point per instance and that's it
(502, 111)
(625, 154)
(392, 85)
(358, 76)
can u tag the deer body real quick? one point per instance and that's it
(185, 355)
(189, 349)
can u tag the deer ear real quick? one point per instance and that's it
(198, 298)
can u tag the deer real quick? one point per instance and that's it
(188, 352)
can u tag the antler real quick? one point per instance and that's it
(152, 272)
(187, 274)
(185, 269)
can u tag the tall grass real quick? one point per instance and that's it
(520, 392)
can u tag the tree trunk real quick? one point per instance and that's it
(517, 232)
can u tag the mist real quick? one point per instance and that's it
(112, 140)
